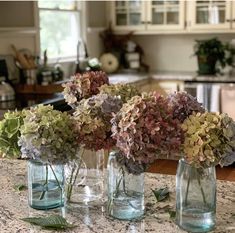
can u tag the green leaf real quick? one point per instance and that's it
(4, 143)
(172, 213)
(53, 222)
(20, 187)
(161, 194)
(12, 126)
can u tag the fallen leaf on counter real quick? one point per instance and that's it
(20, 187)
(53, 222)
(172, 214)
(161, 194)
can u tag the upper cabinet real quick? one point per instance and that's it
(128, 15)
(212, 15)
(165, 15)
(147, 15)
(173, 16)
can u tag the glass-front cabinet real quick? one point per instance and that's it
(147, 15)
(165, 15)
(178, 16)
(210, 14)
(128, 15)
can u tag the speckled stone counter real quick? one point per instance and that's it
(14, 206)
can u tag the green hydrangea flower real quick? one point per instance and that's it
(47, 135)
(125, 91)
(9, 134)
(209, 137)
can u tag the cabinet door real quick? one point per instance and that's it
(233, 15)
(128, 15)
(165, 15)
(209, 15)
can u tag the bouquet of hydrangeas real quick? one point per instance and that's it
(209, 139)
(47, 135)
(83, 86)
(144, 128)
(92, 121)
(9, 134)
(125, 91)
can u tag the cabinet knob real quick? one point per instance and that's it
(228, 20)
(143, 22)
(149, 22)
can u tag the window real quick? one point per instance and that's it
(60, 28)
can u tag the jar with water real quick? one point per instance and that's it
(45, 185)
(125, 191)
(195, 198)
(85, 179)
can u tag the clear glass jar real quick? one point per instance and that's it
(85, 178)
(125, 191)
(45, 185)
(195, 198)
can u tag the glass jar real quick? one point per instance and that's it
(195, 198)
(125, 191)
(85, 178)
(45, 185)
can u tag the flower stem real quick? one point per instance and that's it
(186, 194)
(71, 180)
(57, 182)
(45, 183)
(69, 188)
(202, 191)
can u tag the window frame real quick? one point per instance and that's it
(81, 9)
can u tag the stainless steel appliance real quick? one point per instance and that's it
(208, 93)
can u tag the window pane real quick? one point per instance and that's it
(66, 5)
(135, 18)
(211, 12)
(59, 33)
(121, 19)
(157, 16)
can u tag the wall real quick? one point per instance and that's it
(14, 18)
(96, 22)
(173, 52)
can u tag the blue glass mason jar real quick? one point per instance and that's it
(45, 185)
(125, 191)
(195, 198)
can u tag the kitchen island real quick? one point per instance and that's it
(14, 206)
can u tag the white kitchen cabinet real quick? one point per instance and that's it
(173, 16)
(145, 16)
(165, 15)
(210, 15)
(128, 15)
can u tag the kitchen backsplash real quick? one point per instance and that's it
(173, 52)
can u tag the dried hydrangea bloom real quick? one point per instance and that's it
(92, 121)
(83, 86)
(47, 135)
(209, 138)
(131, 166)
(125, 91)
(144, 128)
(184, 105)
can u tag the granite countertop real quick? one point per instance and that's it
(14, 206)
